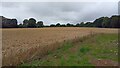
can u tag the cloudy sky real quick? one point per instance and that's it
(54, 12)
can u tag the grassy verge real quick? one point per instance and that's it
(102, 46)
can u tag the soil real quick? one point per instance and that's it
(104, 62)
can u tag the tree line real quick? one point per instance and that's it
(7, 23)
(102, 22)
(31, 23)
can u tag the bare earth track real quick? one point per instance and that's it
(25, 43)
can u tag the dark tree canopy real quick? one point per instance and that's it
(77, 25)
(115, 22)
(14, 22)
(58, 24)
(63, 25)
(25, 23)
(52, 25)
(89, 24)
(98, 22)
(69, 25)
(39, 24)
(102, 22)
(20, 25)
(32, 23)
(82, 24)
(106, 22)
(8, 23)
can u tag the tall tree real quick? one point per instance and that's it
(98, 22)
(77, 25)
(58, 25)
(82, 24)
(14, 22)
(32, 23)
(89, 24)
(106, 22)
(25, 23)
(40, 24)
(115, 21)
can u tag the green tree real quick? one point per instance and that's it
(58, 25)
(32, 23)
(52, 25)
(77, 25)
(106, 22)
(98, 22)
(25, 23)
(20, 25)
(115, 22)
(82, 24)
(40, 24)
(63, 25)
(89, 24)
(14, 22)
(69, 25)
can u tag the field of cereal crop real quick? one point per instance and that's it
(23, 44)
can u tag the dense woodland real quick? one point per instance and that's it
(102, 22)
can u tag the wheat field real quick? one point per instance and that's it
(23, 44)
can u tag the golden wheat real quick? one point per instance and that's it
(23, 44)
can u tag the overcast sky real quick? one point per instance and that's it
(63, 12)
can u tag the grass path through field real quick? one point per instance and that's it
(98, 50)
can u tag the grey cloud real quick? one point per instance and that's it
(10, 4)
(64, 12)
